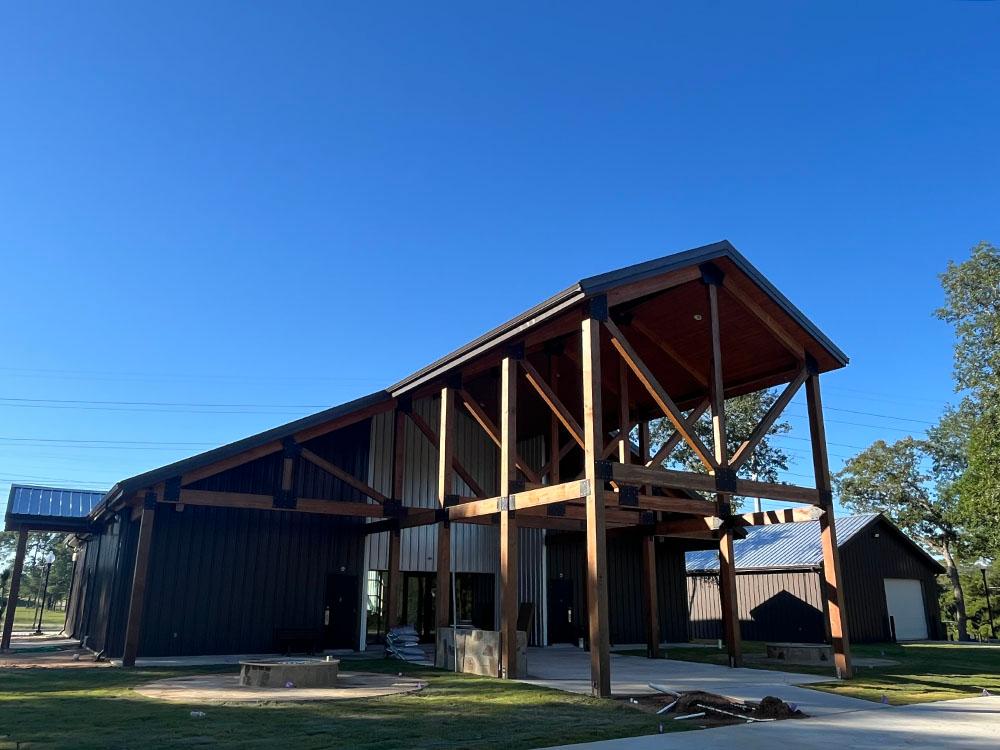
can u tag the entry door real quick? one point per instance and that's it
(563, 627)
(342, 608)
(904, 598)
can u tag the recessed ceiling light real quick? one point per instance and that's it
(697, 317)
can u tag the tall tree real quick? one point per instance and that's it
(743, 414)
(897, 480)
(972, 306)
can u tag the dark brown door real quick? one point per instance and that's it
(342, 607)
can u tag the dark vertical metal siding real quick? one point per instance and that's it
(221, 580)
(106, 586)
(866, 561)
(671, 592)
(567, 559)
(773, 605)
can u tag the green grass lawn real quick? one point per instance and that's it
(95, 708)
(926, 672)
(52, 619)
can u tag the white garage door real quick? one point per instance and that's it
(905, 600)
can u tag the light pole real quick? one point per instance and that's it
(983, 566)
(49, 559)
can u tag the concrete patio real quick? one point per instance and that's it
(568, 668)
(967, 724)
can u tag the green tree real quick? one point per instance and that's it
(897, 480)
(743, 414)
(972, 306)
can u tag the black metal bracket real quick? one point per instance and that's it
(711, 274)
(393, 508)
(284, 500)
(628, 496)
(597, 308)
(454, 380)
(605, 472)
(555, 509)
(290, 448)
(450, 501)
(172, 490)
(516, 485)
(812, 366)
(149, 501)
(725, 481)
(825, 497)
(515, 350)
(404, 404)
(441, 516)
(647, 517)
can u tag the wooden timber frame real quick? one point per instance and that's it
(607, 360)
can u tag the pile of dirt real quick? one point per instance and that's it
(712, 710)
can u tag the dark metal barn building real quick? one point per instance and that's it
(507, 466)
(891, 589)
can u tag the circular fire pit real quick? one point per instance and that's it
(300, 673)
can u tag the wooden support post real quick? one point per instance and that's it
(15, 588)
(446, 455)
(394, 586)
(597, 583)
(555, 455)
(508, 522)
(133, 629)
(727, 556)
(832, 588)
(650, 600)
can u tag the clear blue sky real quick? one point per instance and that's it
(288, 207)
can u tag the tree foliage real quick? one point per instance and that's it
(898, 480)
(972, 306)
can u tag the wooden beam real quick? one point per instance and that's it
(491, 430)
(671, 353)
(266, 502)
(671, 442)
(429, 433)
(137, 599)
(15, 588)
(344, 476)
(508, 523)
(685, 526)
(727, 554)
(687, 506)
(446, 459)
(654, 285)
(555, 455)
(597, 582)
(746, 449)
(624, 423)
(232, 462)
(552, 401)
(768, 517)
(833, 589)
(663, 401)
(650, 599)
(344, 421)
(779, 332)
(394, 586)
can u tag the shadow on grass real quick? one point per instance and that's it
(83, 708)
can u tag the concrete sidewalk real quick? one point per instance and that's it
(967, 724)
(568, 668)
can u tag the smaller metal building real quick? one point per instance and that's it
(891, 589)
